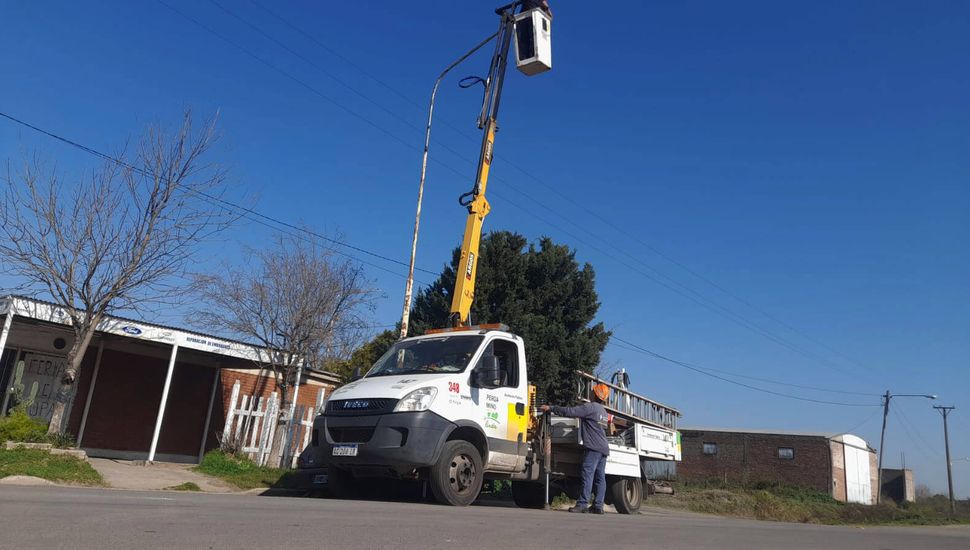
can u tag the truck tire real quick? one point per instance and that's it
(529, 495)
(341, 483)
(456, 479)
(626, 494)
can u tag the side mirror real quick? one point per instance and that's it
(356, 375)
(488, 374)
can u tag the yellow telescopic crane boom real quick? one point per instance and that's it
(478, 207)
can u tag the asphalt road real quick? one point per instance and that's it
(59, 517)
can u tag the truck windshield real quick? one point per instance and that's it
(427, 356)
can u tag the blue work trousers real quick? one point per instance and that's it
(594, 478)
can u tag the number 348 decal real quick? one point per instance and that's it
(454, 387)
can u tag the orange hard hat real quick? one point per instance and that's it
(602, 391)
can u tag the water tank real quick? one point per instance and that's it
(533, 42)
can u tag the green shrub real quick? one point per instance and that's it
(19, 426)
(60, 441)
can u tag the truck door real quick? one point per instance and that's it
(503, 410)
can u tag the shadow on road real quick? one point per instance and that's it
(377, 489)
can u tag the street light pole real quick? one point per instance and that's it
(882, 438)
(409, 286)
(945, 411)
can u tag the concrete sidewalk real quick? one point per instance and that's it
(135, 475)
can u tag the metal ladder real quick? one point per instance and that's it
(626, 404)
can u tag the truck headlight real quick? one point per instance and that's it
(418, 400)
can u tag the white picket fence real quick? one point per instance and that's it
(253, 425)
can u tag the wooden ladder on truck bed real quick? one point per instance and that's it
(626, 404)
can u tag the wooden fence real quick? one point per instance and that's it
(252, 424)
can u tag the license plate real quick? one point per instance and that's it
(345, 450)
(321, 478)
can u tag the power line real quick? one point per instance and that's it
(690, 294)
(701, 370)
(863, 423)
(907, 424)
(263, 219)
(555, 190)
(693, 294)
(310, 62)
(421, 108)
(666, 257)
(705, 372)
(767, 380)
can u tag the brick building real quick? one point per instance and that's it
(898, 485)
(842, 465)
(144, 391)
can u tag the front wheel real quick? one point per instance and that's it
(456, 479)
(626, 494)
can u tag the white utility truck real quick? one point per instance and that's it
(455, 408)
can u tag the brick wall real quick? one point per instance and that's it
(839, 490)
(251, 383)
(750, 458)
(874, 477)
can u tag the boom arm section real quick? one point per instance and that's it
(474, 200)
(478, 208)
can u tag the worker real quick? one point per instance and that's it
(592, 433)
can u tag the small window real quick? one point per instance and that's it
(508, 360)
(710, 448)
(786, 453)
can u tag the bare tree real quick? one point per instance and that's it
(298, 302)
(114, 240)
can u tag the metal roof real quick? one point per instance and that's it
(826, 435)
(42, 310)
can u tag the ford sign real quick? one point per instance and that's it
(356, 404)
(134, 331)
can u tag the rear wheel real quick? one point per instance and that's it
(529, 495)
(456, 479)
(626, 493)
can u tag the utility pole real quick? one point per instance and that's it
(882, 445)
(945, 411)
(882, 438)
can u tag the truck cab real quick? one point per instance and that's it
(450, 406)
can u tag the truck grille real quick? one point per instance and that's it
(350, 435)
(360, 406)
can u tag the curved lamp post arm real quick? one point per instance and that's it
(424, 169)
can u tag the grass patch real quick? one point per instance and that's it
(242, 472)
(800, 505)
(187, 486)
(562, 500)
(42, 464)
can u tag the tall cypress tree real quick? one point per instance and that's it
(542, 294)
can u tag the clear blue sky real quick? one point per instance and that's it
(812, 160)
